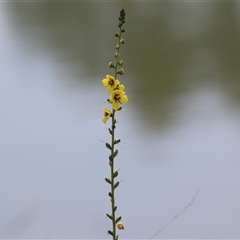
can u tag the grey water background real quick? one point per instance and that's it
(180, 130)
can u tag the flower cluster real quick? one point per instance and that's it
(112, 84)
(117, 94)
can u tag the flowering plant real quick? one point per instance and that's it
(117, 96)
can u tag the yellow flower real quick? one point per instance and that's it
(110, 82)
(121, 87)
(106, 114)
(118, 97)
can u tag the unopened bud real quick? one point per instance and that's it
(121, 63)
(122, 41)
(111, 65)
(122, 13)
(123, 30)
(121, 72)
(116, 34)
(120, 226)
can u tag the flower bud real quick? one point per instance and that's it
(122, 13)
(121, 63)
(117, 46)
(122, 41)
(116, 34)
(121, 72)
(123, 30)
(111, 65)
(120, 226)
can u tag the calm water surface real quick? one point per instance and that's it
(180, 131)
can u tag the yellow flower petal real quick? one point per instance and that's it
(105, 82)
(121, 87)
(106, 114)
(124, 99)
(110, 82)
(115, 106)
(118, 97)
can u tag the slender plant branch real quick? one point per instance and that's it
(112, 178)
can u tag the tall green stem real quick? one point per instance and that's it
(114, 152)
(112, 179)
(112, 145)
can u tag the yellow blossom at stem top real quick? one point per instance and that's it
(110, 82)
(106, 114)
(118, 97)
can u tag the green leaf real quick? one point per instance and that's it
(116, 185)
(109, 216)
(108, 180)
(115, 174)
(117, 141)
(108, 146)
(118, 219)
